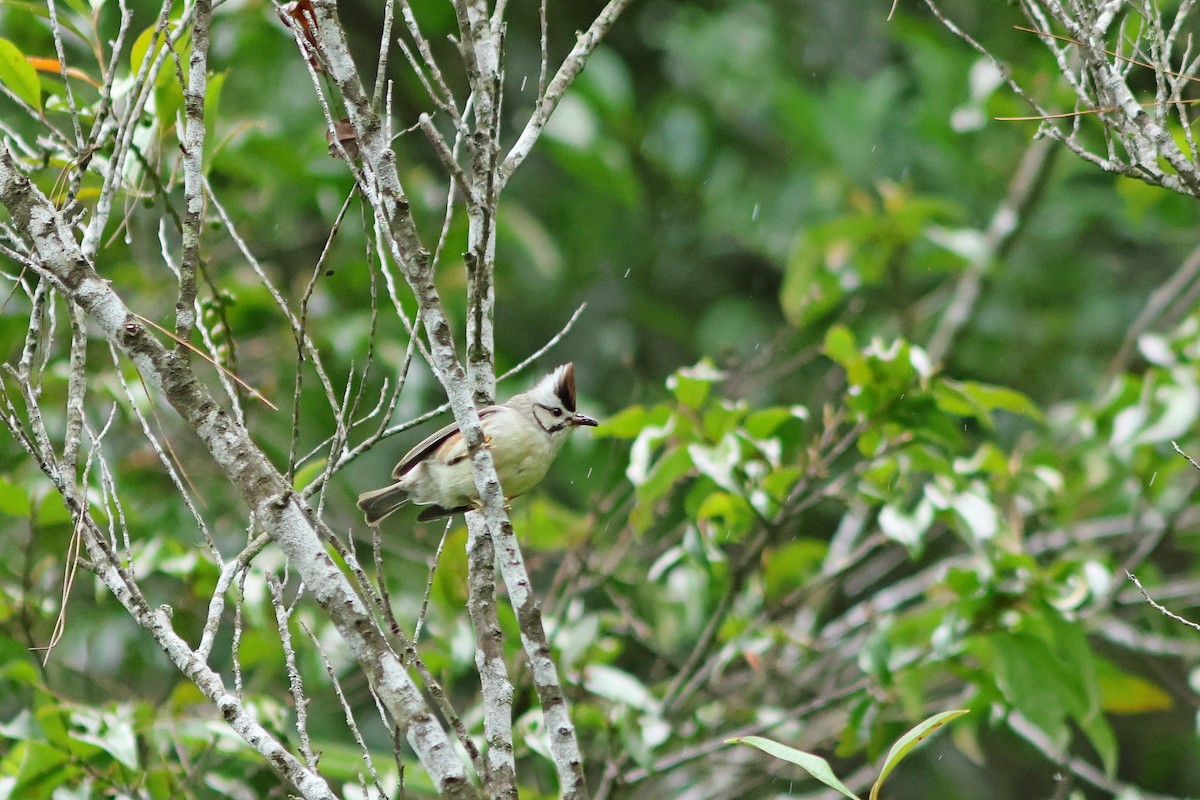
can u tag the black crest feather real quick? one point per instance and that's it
(564, 387)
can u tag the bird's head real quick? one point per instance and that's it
(552, 402)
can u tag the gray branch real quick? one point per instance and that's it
(279, 510)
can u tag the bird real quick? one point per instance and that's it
(524, 435)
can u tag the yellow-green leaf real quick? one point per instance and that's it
(1122, 693)
(19, 75)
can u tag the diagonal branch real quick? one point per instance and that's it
(380, 184)
(280, 511)
(562, 80)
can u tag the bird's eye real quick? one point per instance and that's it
(557, 412)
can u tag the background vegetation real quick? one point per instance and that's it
(889, 390)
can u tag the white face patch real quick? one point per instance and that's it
(551, 418)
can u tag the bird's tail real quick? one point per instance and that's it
(378, 503)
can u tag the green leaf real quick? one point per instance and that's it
(306, 474)
(212, 104)
(141, 47)
(1102, 738)
(764, 422)
(977, 399)
(691, 385)
(779, 483)
(110, 730)
(1045, 670)
(13, 500)
(953, 400)
(731, 510)
(627, 424)
(813, 765)
(792, 565)
(51, 716)
(908, 741)
(41, 766)
(840, 346)
(618, 686)
(642, 453)
(1074, 659)
(548, 525)
(19, 75)
(17, 669)
(1023, 666)
(720, 419)
(662, 477)
(1123, 693)
(168, 104)
(39, 10)
(810, 288)
(20, 728)
(979, 514)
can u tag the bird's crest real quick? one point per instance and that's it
(560, 384)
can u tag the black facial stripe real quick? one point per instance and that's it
(552, 428)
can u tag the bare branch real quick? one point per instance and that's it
(562, 80)
(272, 501)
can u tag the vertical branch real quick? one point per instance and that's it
(494, 681)
(140, 94)
(295, 682)
(271, 501)
(193, 175)
(76, 388)
(481, 47)
(56, 30)
(481, 43)
(385, 48)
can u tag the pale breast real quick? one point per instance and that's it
(522, 453)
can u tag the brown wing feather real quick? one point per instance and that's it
(431, 443)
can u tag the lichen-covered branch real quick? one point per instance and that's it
(273, 502)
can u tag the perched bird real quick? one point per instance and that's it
(524, 435)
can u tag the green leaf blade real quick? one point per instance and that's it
(814, 765)
(905, 744)
(19, 75)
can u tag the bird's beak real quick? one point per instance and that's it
(581, 419)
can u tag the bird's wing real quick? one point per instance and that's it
(441, 438)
